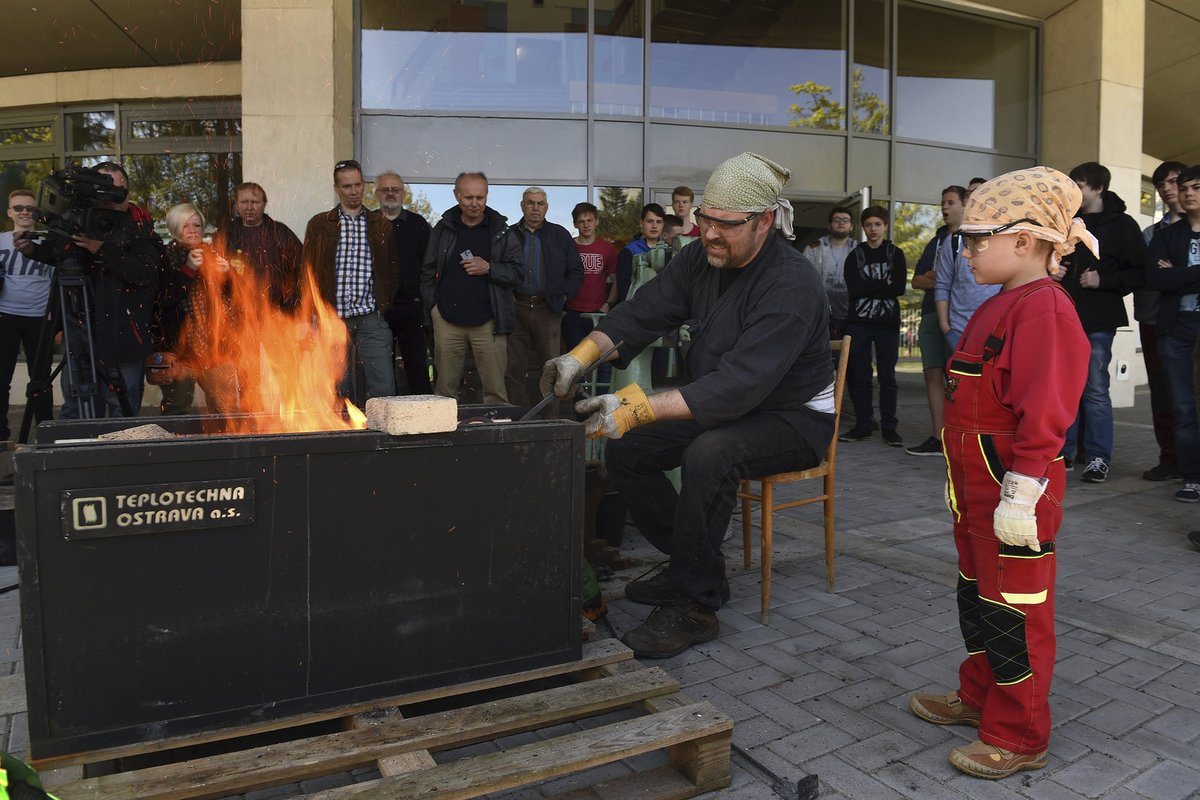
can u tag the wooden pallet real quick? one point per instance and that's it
(696, 736)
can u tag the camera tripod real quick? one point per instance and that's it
(70, 309)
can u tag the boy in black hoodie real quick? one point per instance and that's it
(1098, 286)
(875, 274)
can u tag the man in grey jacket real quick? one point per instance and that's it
(471, 268)
(828, 255)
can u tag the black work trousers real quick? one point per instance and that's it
(407, 323)
(690, 525)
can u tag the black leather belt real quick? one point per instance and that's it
(530, 298)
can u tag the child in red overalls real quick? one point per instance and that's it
(1012, 390)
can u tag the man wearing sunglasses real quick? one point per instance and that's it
(24, 289)
(760, 401)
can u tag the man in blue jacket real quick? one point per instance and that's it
(553, 273)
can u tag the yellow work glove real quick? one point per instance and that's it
(559, 375)
(614, 415)
(1014, 520)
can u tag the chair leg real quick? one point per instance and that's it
(768, 511)
(829, 551)
(746, 511)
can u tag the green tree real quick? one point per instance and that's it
(620, 214)
(821, 111)
(419, 204)
(913, 225)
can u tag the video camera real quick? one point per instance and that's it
(67, 203)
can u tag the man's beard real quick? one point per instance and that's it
(391, 207)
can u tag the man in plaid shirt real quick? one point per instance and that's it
(352, 253)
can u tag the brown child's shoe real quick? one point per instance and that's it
(991, 762)
(944, 709)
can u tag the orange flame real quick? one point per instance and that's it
(279, 367)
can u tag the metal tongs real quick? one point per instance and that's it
(545, 401)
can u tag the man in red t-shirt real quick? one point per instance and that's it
(682, 198)
(599, 287)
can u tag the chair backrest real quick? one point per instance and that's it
(842, 348)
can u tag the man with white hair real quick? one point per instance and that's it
(553, 273)
(760, 402)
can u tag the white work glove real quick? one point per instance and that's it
(1014, 520)
(559, 375)
(946, 491)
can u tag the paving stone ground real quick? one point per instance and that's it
(823, 689)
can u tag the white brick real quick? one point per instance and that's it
(418, 413)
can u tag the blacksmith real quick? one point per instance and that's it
(761, 400)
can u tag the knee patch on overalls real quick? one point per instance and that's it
(1004, 638)
(968, 614)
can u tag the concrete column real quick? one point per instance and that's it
(1094, 68)
(297, 102)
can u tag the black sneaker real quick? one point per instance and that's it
(672, 627)
(892, 439)
(1190, 493)
(930, 447)
(658, 589)
(1164, 471)
(1068, 465)
(1194, 538)
(1096, 471)
(855, 435)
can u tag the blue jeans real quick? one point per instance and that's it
(886, 343)
(952, 337)
(372, 338)
(1176, 351)
(1095, 407)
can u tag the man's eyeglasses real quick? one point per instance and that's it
(705, 221)
(971, 239)
(349, 163)
(387, 189)
(19, 209)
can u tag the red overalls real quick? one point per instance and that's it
(1005, 593)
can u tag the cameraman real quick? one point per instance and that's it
(123, 273)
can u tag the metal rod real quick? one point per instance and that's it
(545, 401)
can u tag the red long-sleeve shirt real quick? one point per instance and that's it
(1041, 370)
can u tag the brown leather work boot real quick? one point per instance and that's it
(944, 709)
(991, 762)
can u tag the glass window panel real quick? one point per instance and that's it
(985, 100)
(474, 55)
(26, 134)
(620, 213)
(206, 180)
(91, 130)
(26, 174)
(618, 58)
(434, 199)
(777, 64)
(870, 87)
(185, 128)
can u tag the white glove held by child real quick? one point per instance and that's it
(1014, 520)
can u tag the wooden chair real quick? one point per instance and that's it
(767, 488)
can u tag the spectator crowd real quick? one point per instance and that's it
(508, 296)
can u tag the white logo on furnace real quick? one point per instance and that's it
(90, 512)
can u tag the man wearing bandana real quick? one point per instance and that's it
(760, 402)
(1012, 384)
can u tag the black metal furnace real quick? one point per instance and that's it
(174, 587)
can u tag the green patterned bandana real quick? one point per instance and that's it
(751, 182)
